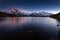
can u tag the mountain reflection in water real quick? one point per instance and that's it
(17, 21)
(35, 26)
(13, 21)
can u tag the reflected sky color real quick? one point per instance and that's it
(33, 20)
(18, 21)
(45, 24)
(14, 21)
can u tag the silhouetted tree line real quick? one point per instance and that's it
(56, 16)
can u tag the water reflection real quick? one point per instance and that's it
(40, 24)
(2, 19)
(13, 21)
(18, 21)
(24, 20)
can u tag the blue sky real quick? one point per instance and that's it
(32, 5)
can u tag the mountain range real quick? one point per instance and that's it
(17, 12)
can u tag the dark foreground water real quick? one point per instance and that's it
(29, 28)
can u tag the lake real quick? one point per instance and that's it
(29, 27)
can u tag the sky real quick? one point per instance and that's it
(32, 5)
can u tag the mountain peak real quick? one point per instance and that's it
(14, 10)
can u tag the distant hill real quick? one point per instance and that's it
(56, 16)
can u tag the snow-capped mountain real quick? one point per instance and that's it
(13, 10)
(17, 10)
(41, 14)
(22, 12)
(45, 14)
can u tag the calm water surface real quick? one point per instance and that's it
(44, 26)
